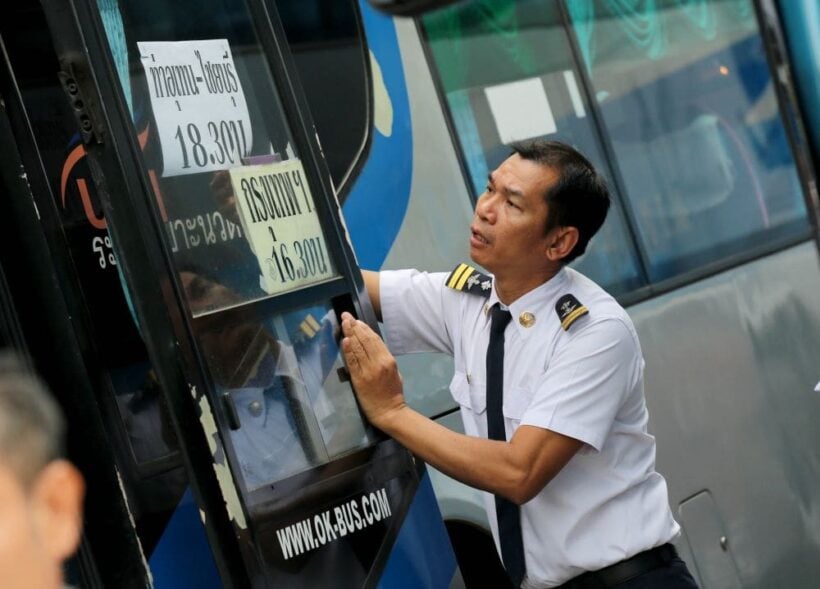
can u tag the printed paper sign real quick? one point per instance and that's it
(281, 224)
(198, 103)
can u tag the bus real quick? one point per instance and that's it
(129, 263)
(703, 116)
(175, 265)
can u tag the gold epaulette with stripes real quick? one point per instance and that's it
(569, 310)
(467, 279)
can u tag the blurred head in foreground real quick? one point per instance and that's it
(41, 494)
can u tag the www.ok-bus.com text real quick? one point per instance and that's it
(331, 524)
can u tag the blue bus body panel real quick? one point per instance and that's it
(375, 208)
(182, 558)
(421, 556)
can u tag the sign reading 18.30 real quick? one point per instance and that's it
(280, 221)
(188, 82)
(221, 143)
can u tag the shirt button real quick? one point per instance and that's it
(255, 407)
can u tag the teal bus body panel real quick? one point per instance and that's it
(802, 23)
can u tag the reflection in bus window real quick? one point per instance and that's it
(204, 102)
(132, 403)
(689, 104)
(329, 54)
(507, 73)
(280, 378)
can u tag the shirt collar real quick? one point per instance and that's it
(532, 302)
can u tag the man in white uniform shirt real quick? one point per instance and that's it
(565, 458)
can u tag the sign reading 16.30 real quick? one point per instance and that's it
(281, 223)
(305, 258)
(218, 143)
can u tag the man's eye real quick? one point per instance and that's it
(512, 204)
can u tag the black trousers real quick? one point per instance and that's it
(660, 568)
(673, 575)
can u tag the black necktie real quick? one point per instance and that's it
(509, 517)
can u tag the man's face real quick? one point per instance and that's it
(39, 526)
(508, 234)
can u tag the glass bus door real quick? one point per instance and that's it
(236, 266)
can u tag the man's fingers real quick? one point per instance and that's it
(370, 350)
(347, 330)
(353, 351)
(370, 341)
(356, 330)
(353, 366)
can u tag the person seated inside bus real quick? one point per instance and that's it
(288, 417)
(41, 494)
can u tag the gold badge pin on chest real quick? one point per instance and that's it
(526, 319)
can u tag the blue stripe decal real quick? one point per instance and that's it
(375, 207)
(422, 557)
(183, 559)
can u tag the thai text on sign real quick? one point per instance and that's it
(281, 224)
(199, 105)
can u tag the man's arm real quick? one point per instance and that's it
(371, 282)
(517, 469)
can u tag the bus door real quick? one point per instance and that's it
(236, 267)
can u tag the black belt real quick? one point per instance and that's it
(622, 571)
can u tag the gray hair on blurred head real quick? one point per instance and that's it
(32, 427)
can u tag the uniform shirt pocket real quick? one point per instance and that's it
(516, 402)
(470, 395)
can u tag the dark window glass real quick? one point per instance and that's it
(276, 393)
(140, 429)
(329, 52)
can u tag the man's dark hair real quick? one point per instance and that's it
(578, 198)
(31, 423)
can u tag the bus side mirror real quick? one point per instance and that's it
(409, 7)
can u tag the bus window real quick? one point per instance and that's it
(507, 73)
(330, 55)
(243, 227)
(690, 106)
(280, 377)
(203, 102)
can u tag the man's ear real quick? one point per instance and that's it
(57, 498)
(561, 243)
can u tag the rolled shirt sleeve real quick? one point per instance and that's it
(416, 309)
